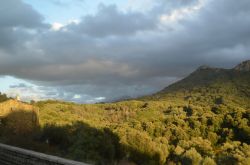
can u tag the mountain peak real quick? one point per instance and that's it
(207, 68)
(202, 67)
(244, 66)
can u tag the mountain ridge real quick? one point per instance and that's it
(244, 66)
(233, 84)
(207, 74)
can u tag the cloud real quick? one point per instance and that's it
(17, 23)
(56, 26)
(15, 13)
(109, 20)
(116, 52)
(20, 85)
(27, 92)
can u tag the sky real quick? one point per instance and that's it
(89, 51)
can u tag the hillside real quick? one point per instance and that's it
(18, 117)
(211, 84)
(202, 119)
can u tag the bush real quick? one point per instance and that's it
(191, 157)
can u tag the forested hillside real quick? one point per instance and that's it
(202, 119)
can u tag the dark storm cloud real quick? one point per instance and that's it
(15, 13)
(17, 20)
(110, 21)
(114, 53)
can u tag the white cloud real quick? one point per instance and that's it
(56, 26)
(76, 96)
(181, 13)
(26, 93)
(95, 100)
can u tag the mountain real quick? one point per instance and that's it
(207, 76)
(201, 119)
(233, 84)
(244, 66)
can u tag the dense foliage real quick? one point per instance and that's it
(203, 119)
(3, 97)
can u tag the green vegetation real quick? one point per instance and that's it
(203, 119)
(3, 97)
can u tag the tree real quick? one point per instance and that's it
(191, 157)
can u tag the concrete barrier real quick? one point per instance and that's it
(10, 155)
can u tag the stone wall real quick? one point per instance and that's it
(10, 155)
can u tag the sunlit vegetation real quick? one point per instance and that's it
(203, 119)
